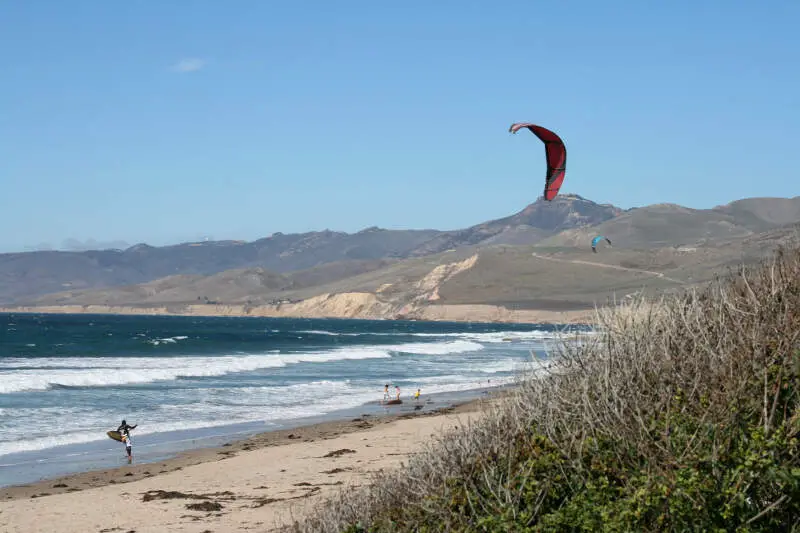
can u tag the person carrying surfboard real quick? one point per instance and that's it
(124, 428)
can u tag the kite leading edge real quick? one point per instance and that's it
(555, 154)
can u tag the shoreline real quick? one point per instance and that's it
(477, 313)
(307, 429)
(261, 482)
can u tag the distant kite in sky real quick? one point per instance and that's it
(555, 153)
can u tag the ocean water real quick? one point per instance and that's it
(67, 379)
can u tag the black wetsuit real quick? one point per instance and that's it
(124, 429)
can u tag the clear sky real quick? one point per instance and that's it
(166, 121)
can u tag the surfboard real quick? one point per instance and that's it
(115, 435)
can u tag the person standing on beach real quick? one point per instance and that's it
(125, 430)
(126, 439)
(397, 391)
(386, 392)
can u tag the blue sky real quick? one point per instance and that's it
(169, 121)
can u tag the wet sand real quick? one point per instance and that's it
(258, 483)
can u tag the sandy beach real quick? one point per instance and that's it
(259, 483)
(349, 305)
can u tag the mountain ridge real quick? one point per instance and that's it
(507, 283)
(569, 221)
(29, 274)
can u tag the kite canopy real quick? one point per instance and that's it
(555, 153)
(597, 240)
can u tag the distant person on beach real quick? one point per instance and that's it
(125, 430)
(416, 395)
(126, 439)
(397, 391)
(386, 392)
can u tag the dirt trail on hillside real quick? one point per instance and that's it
(603, 265)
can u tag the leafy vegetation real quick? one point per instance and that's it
(678, 415)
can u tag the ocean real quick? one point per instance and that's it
(67, 379)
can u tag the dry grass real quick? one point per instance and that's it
(679, 414)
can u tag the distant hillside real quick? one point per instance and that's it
(570, 221)
(253, 285)
(534, 223)
(486, 283)
(662, 225)
(763, 213)
(26, 275)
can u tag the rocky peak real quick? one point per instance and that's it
(564, 212)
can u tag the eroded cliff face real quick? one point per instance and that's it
(428, 287)
(420, 303)
(342, 305)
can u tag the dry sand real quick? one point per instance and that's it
(255, 484)
(347, 305)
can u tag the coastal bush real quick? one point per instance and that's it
(679, 415)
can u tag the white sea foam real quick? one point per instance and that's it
(484, 337)
(56, 426)
(229, 406)
(445, 362)
(167, 340)
(99, 372)
(436, 348)
(20, 374)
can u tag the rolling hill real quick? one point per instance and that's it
(29, 274)
(662, 225)
(498, 282)
(763, 213)
(537, 259)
